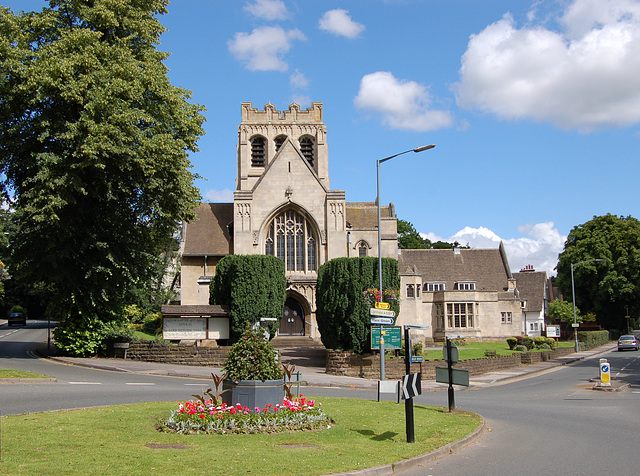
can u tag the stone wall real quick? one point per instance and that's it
(181, 354)
(368, 366)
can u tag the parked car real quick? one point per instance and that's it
(627, 342)
(17, 318)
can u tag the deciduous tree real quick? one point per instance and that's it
(93, 151)
(607, 288)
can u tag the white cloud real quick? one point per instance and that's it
(540, 246)
(264, 47)
(299, 80)
(338, 22)
(402, 104)
(584, 77)
(268, 9)
(301, 100)
(219, 196)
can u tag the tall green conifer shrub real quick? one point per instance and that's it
(342, 310)
(253, 286)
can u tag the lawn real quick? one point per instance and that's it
(10, 373)
(123, 440)
(476, 350)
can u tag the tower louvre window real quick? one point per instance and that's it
(307, 149)
(278, 141)
(258, 152)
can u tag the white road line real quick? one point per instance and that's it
(85, 383)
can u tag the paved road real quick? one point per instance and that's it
(543, 419)
(553, 424)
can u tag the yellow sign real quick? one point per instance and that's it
(382, 305)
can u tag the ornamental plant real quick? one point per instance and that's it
(252, 358)
(205, 417)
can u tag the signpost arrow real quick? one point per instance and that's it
(382, 321)
(381, 312)
(411, 385)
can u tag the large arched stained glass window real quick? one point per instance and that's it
(291, 239)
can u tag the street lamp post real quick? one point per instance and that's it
(573, 292)
(378, 162)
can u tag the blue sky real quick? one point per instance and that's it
(534, 105)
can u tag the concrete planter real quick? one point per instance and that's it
(253, 393)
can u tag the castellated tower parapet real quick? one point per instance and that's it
(262, 133)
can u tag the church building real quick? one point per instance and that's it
(283, 205)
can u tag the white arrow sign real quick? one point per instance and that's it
(411, 385)
(382, 321)
(381, 312)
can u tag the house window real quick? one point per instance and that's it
(278, 141)
(460, 315)
(410, 292)
(432, 287)
(307, 149)
(533, 326)
(257, 152)
(465, 286)
(506, 318)
(291, 239)
(439, 316)
(362, 249)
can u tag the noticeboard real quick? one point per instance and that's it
(392, 337)
(177, 328)
(553, 331)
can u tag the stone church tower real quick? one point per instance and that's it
(283, 205)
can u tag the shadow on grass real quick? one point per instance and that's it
(387, 435)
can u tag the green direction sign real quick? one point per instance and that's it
(392, 337)
(458, 376)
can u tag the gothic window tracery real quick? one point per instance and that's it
(291, 239)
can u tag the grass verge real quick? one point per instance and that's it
(10, 373)
(476, 350)
(123, 440)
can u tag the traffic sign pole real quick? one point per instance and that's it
(382, 376)
(452, 400)
(408, 402)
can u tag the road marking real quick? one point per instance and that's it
(139, 383)
(85, 383)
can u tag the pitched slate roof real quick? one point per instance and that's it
(489, 268)
(364, 215)
(531, 286)
(209, 234)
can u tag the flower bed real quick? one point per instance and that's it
(205, 417)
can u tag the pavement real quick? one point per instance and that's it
(315, 376)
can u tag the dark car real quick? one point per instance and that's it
(17, 318)
(628, 342)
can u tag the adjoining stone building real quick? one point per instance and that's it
(465, 292)
(284, 206)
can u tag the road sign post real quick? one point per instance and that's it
(408, 402)
(605, 373)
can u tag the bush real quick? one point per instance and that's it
(512, 341)
(80, 337)
(545, 346)
(551, 342)
(152, 323)
(590, 339)
(538, 341)
(344, 298)
(252, 358)
(460, 341)
(521, 348)
(527, 342)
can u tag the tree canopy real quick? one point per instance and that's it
(409, 238)
(93, 151)
(611, 288)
